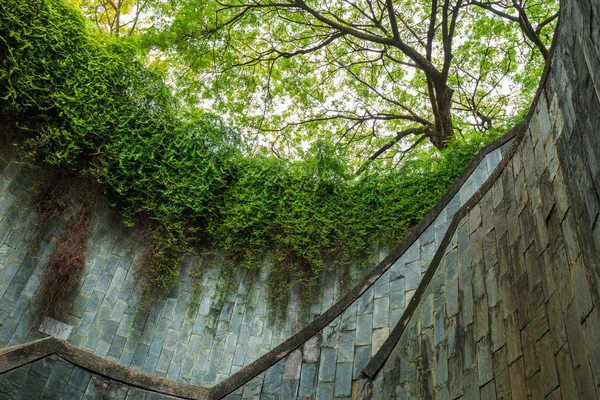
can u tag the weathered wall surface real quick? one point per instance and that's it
(333, 358)
(54, 378)
(201, 332)
(510, 311)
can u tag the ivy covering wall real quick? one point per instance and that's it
(88, 104)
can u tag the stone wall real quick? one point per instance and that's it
(331, 359)
(493, 295)
(54, 378)
(512, 311)
(203, 331)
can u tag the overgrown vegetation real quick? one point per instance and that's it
(87, 104)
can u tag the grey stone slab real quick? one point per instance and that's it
(413, 275)
(325, 391)
(379, 337)
(381, 312)
(364, 327)
(397, 294)
(382, 286)
(293, 365)
(365, 302)
(273, 378)
(439, 326)
(362, 354)
(346, 346)
(427, 310)
(327, 365)
(348, 318)
(308, 383)
(116, 347)
(289, 389)
(312, 349)
(481, 317)
(240, 354)
(343, 380)
(211, 372)
(484, 361)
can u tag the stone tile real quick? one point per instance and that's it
(345, 347)
(379, 337)
(362, 354)
(308, 383)
(327, 365)
(365, 302)
(325, 390)
(273, 377)
(381, 312)
(484, 361)
(364, 327)
(343, 380)
(293, 365)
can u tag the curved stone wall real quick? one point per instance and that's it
(202, 332)
(512, 311)
(493, 295)
(331, 358)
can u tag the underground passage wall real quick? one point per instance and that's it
(493, 295)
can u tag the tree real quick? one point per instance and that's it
(113, 17)
(525, 14)
(366, 74)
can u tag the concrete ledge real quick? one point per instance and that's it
(17, 356)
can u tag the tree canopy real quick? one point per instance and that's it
(376, 77)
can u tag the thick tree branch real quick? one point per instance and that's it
(393, 22)
(399, 136)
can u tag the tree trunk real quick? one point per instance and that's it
(443, 116)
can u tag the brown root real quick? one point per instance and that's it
(65, 195)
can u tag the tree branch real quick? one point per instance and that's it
(399, 136)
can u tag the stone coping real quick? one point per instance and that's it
(17, 356)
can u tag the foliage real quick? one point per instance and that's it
(117, 17)
(369, 75)
(86, 103)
